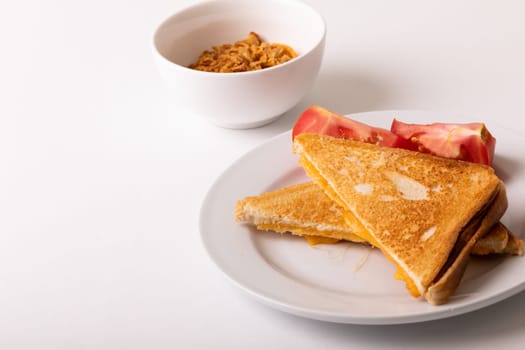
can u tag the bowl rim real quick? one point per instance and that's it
(320, 42)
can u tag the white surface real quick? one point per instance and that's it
(248, 99)
(345, 283)
(102, 177)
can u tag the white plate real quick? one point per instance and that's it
(347, 283)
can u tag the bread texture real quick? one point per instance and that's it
(303, 210)
(414, 207)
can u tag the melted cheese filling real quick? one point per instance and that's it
(311, 234)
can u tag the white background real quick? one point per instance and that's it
(102, 177)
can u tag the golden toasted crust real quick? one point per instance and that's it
(293, 204)
(301, 209)
(413, 205)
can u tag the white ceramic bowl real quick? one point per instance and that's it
(246, 99)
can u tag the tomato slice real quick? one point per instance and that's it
(470, 142)
(318, 120)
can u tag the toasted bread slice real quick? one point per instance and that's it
(424, 212)
(499, 240)
(305, 210)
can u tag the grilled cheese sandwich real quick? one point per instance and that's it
(440, 207)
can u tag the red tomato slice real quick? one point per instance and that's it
(317, 120)
(470, 142)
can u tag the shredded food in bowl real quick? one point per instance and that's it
(245, 55)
